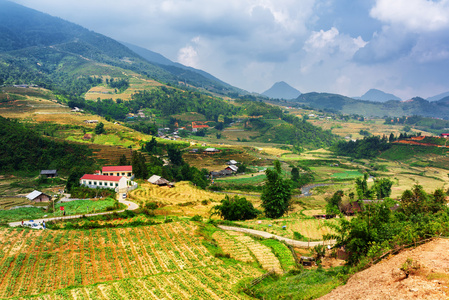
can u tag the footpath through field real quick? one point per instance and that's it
(129, 206)
(267, 235)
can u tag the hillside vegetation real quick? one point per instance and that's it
(24, 150)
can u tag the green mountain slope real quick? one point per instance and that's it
(27, 33)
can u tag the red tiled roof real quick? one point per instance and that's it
(118, 169)
(101, 177)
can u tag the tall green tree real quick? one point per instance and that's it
(277, 193)
(99, 129)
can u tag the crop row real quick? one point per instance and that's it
(214, 282)
(263, 254)
(33, 262)
(231, 246)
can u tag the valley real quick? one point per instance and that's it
(235, 195)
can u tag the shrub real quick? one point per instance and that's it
(235, 209)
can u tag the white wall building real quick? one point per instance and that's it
(103, 181)
(126, 171)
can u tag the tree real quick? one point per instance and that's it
(277, 192)
(175, 155)
(151, 146)
(99, 129)
(334, 203)
(362, 189)
(295, 174)
(138, 163)
(123, 161)
(235, 209)
(382, 188)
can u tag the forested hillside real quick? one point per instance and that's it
(24, 150)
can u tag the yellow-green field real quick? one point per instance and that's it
(149, 262)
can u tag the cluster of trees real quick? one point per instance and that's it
(381, 189)
(168, 102)
(22, 149)
(178, 170)
(368, 147)
(276, 199)
(120, 84)
(381, 227)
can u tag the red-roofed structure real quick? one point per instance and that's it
(126, 171)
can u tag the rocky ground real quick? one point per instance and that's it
(428, 276)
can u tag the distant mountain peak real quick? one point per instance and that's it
(282, 90)
(378, 96)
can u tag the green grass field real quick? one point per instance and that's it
(71, 208)
(256, 179)
(347, 174)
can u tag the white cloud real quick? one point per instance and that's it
(414, 15)
(188, 55)
(314, 45)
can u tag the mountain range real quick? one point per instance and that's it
(36, 48)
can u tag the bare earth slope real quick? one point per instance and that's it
(386, 281)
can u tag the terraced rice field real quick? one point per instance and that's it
(244, 248)
(183, 192)
(152, 262)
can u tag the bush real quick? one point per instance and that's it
(235, 209)
(197, 218)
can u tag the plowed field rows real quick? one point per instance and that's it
(206, 283)
(163, 261)
(244, 248)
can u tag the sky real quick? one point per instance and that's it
(336, 46)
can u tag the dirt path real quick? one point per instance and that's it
(267, 235)
(129, 206)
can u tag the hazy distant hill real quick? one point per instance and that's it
(438, 97)
(379, 96)
(282, 90)
(393, 108)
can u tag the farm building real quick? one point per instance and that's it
(126, 171)
(232, 162)
(90, 121)
(37, 196)
(49, 173)
(445, 135)
(211, 150)
(351, 208)
(232, 168)
(158, 180)
(104, 182)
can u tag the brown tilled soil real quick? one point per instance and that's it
(428, 280)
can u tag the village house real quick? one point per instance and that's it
(37, 196)
(126, 171)
(104, 182)
(231, 162)
(211, 150)
(158, 180)
(49, 173)
(232, 168)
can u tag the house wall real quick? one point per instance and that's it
(42, 198)
(104, 184)
(128, 175)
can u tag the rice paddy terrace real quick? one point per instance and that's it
(149, 262)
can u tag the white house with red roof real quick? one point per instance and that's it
(104, 181)
(126, 171)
